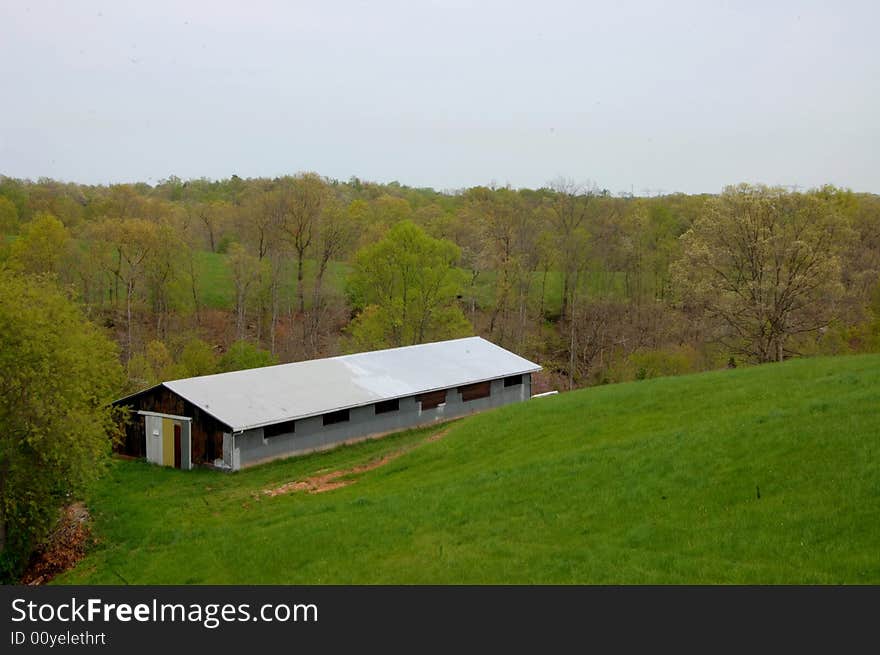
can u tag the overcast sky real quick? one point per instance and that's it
(641, 96)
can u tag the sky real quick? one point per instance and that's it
(636, 97)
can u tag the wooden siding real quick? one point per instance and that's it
(432, 399)
(206, 435)
(474, 391)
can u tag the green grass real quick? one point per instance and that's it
(647, 482)
(218, 292)
(215, 280)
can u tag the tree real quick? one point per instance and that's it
(164, 268)
(185, 356)
(466, 231)
(8, 216)
(407, 285)
(197, 358)
(764, 263)
(568, 211)
(263, 220)
(213, 217)
(507, 231)
(304, 201)
(385, 211)
(58, 375)
(41, 246)
(245, 270)
(152, 367)
(185, 225)
(243, 354)
(333, 234)
(126, 245)
(257, 220)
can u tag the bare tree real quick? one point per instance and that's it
(569, 209)
(212, 217)
(304, 198)
(131, 241)
(764, 263)
(334, 233)
(245, 269)
(261, 221)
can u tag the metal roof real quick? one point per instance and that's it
(262, 396)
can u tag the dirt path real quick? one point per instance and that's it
(317, 484)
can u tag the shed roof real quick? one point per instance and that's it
(262, 396)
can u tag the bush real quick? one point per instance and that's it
(661, 363)
(244, 354)
(644, 364)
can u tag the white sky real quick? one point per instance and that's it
(673, 96)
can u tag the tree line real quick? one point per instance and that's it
(598, 287)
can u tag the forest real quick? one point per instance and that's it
(191, 277)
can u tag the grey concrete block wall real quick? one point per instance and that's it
(252, 447)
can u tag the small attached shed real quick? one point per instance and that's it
(233, 420)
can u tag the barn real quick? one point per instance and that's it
(238, 419)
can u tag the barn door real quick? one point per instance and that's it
(177, 445)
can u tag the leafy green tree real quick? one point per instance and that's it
(42, 246)
(187, 357)
(243, 354)
(378, 215)
(58, 375)
(407, 285)
(153, 366)
(765, 265)
(197, 358)
(8, 216)
(16, 191)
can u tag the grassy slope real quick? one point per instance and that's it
(648, 482)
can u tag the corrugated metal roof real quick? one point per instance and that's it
(262, 396)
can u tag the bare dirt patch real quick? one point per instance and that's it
(65, 546)
(317, 484)
(437, 436)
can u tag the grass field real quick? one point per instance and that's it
(215, 279)
(215, 282)
(760, 475)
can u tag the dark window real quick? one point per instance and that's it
(387, 406)
(474, 391)
(336, 417)
(432, 399)
(287, 427)
(513, 381)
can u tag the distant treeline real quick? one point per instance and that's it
(196, 276)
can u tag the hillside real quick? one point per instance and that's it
(760, 475)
